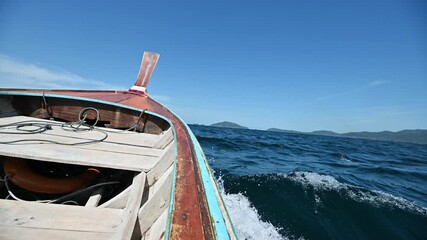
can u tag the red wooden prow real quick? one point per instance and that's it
(149, 61)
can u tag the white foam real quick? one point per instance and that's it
(246, 220)
(315, 180)
(379, 198)
(344, 158)
(373, 197)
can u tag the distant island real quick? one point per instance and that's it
(226, 124)
(412, 136)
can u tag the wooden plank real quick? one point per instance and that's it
(26, 233)
(119, 153)
(118, 201)
(65, 154)
(114, 135)
(95, 197)
(159, 183)
(162, 165)
(55, 140)
(159, 201)
(130, 213)
(157, 230)
(60, 217)
(70, 142)
(164, 139)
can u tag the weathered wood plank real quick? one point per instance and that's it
(119, 153)
(87, 157)
(118, 201)
(77, 143)
(162, 165)
(26, 233)
(59, 217)
(115, 136)
(157, 230)
(95, 197)
(74, 143)
(161, 181)
(156, 204)
(130, 213)
(164, 139)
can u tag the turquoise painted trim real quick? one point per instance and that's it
(220, 196)
(168, 223)
(214, 209)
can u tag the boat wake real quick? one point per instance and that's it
(300, 205)
(246, 220)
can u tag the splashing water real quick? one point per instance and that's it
(246, 220)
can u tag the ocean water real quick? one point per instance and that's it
(295, 186)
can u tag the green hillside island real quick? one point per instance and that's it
(412, 136)
(226, 124)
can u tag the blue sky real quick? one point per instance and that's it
(300, 65)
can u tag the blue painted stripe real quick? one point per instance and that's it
(214, 208)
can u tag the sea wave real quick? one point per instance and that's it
(298, 205)
(231, 144)
(316, 187)
(375, 198)
(246, 220)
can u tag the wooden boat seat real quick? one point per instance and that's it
(120, 150)
(38, 221)
(30, 220)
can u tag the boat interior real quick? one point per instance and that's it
(72, 168)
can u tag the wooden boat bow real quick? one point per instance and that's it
(197, 210)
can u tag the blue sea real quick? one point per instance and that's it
(297, 186)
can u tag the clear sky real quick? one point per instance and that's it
(298, 65)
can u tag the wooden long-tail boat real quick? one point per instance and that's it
(79, 164)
